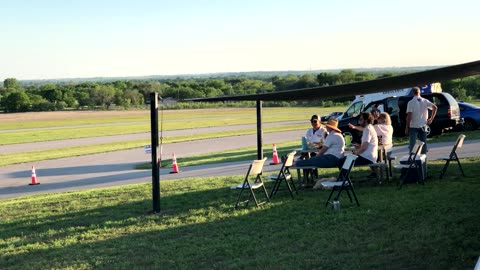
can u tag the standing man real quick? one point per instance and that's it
(417, 119)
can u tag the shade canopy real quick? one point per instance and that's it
(364, 87)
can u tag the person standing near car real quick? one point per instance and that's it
(417, 119)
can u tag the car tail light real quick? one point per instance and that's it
(449, 112)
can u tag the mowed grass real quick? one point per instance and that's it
(107, 124)
(434, 226)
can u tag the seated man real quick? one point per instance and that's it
(331, 151)
(316, 134)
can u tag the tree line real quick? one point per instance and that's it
(16, 97)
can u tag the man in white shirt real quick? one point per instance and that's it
(417, 119)
(316, 134)
(332, 148)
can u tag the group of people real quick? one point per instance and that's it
(376, 129)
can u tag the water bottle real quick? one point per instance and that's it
(304, 143)
(336, 205)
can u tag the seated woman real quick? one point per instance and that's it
(384, 131)
(367, 151)
(331, 151)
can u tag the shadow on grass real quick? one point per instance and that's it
(422, 227)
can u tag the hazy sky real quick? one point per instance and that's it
(47, 39)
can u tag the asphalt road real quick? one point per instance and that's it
(116, 168)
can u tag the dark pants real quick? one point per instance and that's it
(323, 161)
(413, 134)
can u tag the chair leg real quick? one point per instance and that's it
(349, 196)
(444, 170)
(460, 166)
(420, 173)
(355, 196)
(275, 187)
(267, 199)
(329, 197)
(252, 194)
(293, 185)
(289, 188)
(402, 178)
(239, 195)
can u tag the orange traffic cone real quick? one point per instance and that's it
(34, 177)
(174, 164)
(275, 156)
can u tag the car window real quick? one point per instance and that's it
(392, 105)
(354, 110)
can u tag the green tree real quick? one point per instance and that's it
(103, 95)
(17, 101)
(12, 83)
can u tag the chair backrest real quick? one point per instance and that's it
(417, 149)
(348, 164)
(458, 143)
(257, 166)
(289, 160)
(348, 139)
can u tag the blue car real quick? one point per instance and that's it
(471, 115)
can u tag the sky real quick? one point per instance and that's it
(52, 39)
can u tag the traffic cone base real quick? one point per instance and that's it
(174, 164)
(275, 159)
(34, 177)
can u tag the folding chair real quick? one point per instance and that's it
(254, 171)
(343, 181)
(411, 163)
(284, 175)
(453, 156)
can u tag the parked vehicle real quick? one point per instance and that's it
(361, 101)
(336, 115)
(448, 114)
(470, 114)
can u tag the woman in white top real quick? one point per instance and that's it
(367, 151)
(384, 131)
(331, 151)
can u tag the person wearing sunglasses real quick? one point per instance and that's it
(316, 134)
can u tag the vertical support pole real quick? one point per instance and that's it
(154, 147)
(259, 131)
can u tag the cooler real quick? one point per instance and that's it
(413, 174)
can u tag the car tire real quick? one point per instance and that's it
(469, 125)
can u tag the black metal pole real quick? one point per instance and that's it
(259, 130)
(154, 148)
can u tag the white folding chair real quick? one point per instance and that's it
(453, 156)
(343, 181)
(253, 181)
(411, 163)
(284, 175)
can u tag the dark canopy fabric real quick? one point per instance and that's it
(365, 87)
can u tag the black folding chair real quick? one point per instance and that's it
(343, 181)
(411, 163)
(253, 181)
(453, 156)
(284, 175)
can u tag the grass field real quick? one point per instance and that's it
(419, 227)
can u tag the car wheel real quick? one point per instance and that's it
(469, 125)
